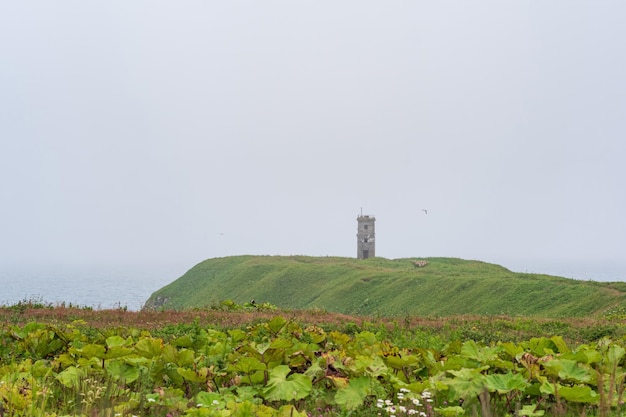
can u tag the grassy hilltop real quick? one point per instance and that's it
(378, 286)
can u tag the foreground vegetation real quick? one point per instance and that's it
(251, 360)
(387, 288)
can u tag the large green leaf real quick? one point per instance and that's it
(353, 395)
(370, 365)
(400, 362)
(614, 355)
(512, 349)
(208, 399)
(92, 351)
(467, 382)
(117, 352)
(281, 343)
(149, 348)
(184, 341)
(247, 364)
(191, 375)
(71, 376)
(567, 369)
(276, 324)
(560, 344)
(237, 335)
(121, 370)
(482, 354)
(115, 340)
(503, 383)
(183, 357)
(548, 387)
(256, 349)
(579, 394)
(541, 346)
(281, 387)
(41, 342)
(584, 354)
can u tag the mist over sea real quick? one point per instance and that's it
(106, 287)
(607, 271)
(100, 287)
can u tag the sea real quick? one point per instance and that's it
(128, 287)
(97, 287)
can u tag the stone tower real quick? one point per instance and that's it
(365, 242)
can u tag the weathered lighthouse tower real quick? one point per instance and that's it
(365, 242)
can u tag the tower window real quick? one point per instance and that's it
(365, 227)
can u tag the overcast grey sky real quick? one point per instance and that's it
(154, 131)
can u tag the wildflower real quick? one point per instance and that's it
(427, 396)
(404, 390)
(402, 409)
(150, 400)
(380, 403)
(388, 403)
(400, 396)
(411, 412)
(416, 402)
(215, 402)
(199, 405)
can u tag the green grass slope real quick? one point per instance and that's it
(378, 286)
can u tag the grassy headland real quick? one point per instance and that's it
(389, 288)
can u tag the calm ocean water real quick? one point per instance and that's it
(97, 287)
(608, 271)
(130, 287)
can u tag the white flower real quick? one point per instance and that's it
(388, 403)
(215, 402)
(402, 409)
(199, 405)
(404, 390)
(411, 412)
(400, 396)
(416, 402)
(150, 400)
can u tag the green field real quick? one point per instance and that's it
(389, 288)
(326, 337)
(259, 361)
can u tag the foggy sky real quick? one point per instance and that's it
(154, 131)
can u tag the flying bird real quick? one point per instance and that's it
(425, 211)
